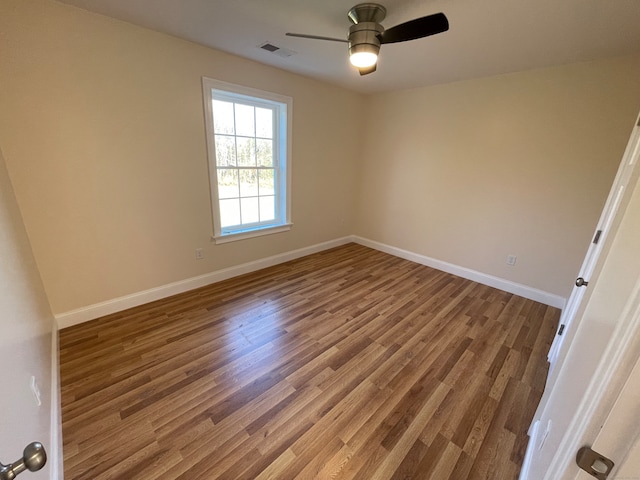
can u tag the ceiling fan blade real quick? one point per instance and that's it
(317, 37)
(414, 29)
(367, 70)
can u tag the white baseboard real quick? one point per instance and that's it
(533, 438)
(81, 315)
(489, 280)
(90, 312)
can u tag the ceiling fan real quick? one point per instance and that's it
(366, 34)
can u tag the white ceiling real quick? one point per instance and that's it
(486, 37)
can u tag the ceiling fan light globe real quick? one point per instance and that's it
(364, 44)
(363, 59)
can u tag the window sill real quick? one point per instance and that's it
(233, 237)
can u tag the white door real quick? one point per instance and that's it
(619, 438)
(26, 326)
(627, 172)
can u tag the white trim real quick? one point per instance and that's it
(84, 314)
(282, 105)
(533, 437)
(55, 442)
(489, 280)
(232, 237)
(622, 347)
(244, 90)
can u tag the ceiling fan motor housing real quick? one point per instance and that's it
(364, 36)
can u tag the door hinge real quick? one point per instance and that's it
(593, 463)
(561, 329)
(597, 237)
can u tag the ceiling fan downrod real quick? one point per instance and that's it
(367, 12)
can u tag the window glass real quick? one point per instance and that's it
(248, 158)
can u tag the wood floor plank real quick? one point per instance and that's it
(404, 444)
(349, 363)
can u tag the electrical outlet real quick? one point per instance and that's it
(199, 254)
(511, 260)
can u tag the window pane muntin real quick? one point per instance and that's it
(243, 183)
(267, 208)
(266, 181)
(264, 152)
(230, 212)
(225, 150)
(245, 120)
(248, 182)
(249, 210)
(246, 151)
(223, 117)
(264, 122)
(228, 186)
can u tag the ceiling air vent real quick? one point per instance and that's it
(281, 52)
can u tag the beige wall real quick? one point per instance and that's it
(519, 164)
(103, 133)
(102, 130)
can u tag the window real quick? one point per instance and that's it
(248, 140)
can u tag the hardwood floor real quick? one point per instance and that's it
(350, 363)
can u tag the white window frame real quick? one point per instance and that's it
(282, 155)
